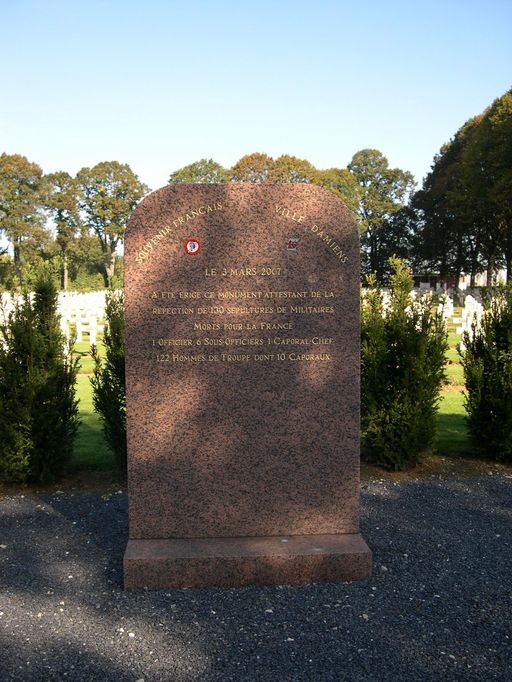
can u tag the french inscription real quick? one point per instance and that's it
(169, 228)
(245, 271)
(290, 213)
(242, 303)
(320, 232)
(225, 346)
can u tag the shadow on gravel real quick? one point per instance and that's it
(61, 660)
(437, 606)
(62, 531)
(103, 519)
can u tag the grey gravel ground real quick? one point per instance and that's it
(438, 606)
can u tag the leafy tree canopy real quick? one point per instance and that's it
(252, 168)
(203, 171)
(108, 193)
(61, 202)
(21, 216)
(383, 192)
(465, 205)
(288, 168)
(342, 183)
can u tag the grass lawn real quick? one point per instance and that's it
(83, 350)
(452, 436)
(90, 450)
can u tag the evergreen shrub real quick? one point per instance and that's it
(403, 346)
(38, 408)
(108, 380)
(487, 363)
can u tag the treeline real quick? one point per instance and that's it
(374, 192)
(75, 223)
(460, 221)
(78, 223)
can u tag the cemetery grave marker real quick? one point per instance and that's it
(242, 372)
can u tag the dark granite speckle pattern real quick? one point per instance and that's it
(238, 427)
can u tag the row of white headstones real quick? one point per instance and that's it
(471, 314)
(470, 317)
(81, 313)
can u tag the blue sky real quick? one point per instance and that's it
(161, 84)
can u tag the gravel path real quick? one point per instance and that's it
(438, 606)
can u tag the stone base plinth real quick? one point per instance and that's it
(232, 562)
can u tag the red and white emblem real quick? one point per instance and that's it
(192, 246)
(292, 243)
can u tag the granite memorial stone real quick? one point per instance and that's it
(242, 377)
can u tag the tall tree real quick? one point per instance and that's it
(500, 161)
(341, 182)
(252, 168)
(398, 239)
(470, 200)
(288, 168)
(449, 236)
(63, 207)
(202, 171)
(108, 193)
(487, 172)
(384, 191)
(465, 204)
(21, 199)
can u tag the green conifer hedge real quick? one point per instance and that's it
(487, 363)
(403, 346)
(108, 382)
(38, 409)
